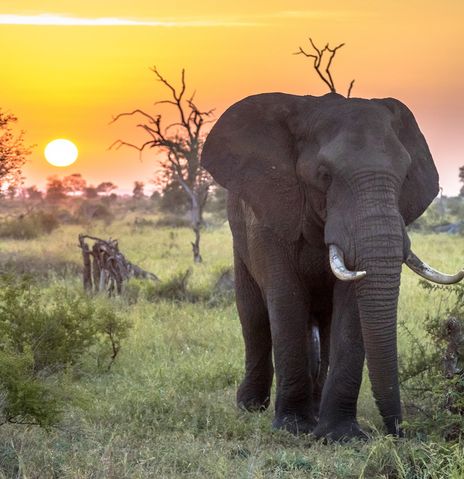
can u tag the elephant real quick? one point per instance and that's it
(320, 191)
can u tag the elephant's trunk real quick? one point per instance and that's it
(379, 245)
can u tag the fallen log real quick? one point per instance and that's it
(106, 268)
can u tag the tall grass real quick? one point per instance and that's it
(167, 407)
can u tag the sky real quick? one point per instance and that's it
(68, 67)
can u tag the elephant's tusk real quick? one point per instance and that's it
(427, 272)
(337, 264)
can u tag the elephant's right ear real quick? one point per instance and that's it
(420, 186)
(251, 152)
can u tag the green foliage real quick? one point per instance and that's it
(29, 226)
(443, 211)
(223, 289)
(178, 288)
(111, 329)
(217, 202)
(42, 336)
(175, 288)
(432, 371)
(391, 458)
(26, 397)
(42, 267)
(90, 210)
(175, 200)
(173, 221)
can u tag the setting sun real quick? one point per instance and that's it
(61, 152)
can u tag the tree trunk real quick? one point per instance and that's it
(196, 216)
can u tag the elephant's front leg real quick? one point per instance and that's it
(291, 339)
(255, 390)
(340, 395)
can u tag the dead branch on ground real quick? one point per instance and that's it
(106, 268)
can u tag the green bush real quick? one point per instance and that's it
(39, 266)
(173, 221)
(217, 202)
(94, 210)
(25, 396)
(178, 288)
(432, 373)
(29, 226)
(223, 289)
(173, 289)
(42, 336)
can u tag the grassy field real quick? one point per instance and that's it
(167, 407)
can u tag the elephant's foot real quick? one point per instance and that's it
(294, 424)
(339, 432)
(251, 398)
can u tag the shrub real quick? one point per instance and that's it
(26, 397)
(432, 373)
(94, 210)
(43, 335)
(173, 221)
(175, 199)
(29, 226)
(178, 288)
(223, 290)
(173, 289)
(112, 328)
(39, 266)
(141, 223)
(217, 202)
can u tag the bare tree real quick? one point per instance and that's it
(182, 142)
(319, 55)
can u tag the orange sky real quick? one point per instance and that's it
(69, 80)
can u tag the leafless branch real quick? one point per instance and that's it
(349, 89)
(131, 113)
(318, 57)
(163, 102)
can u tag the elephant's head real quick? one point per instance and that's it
(360, 170)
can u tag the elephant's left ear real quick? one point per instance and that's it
(420, 186)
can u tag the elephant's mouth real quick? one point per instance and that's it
(339, 269)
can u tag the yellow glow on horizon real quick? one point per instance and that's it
(61, 152)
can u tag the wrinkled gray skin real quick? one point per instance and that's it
(302, 173)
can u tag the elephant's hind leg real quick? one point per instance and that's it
(254, 392)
